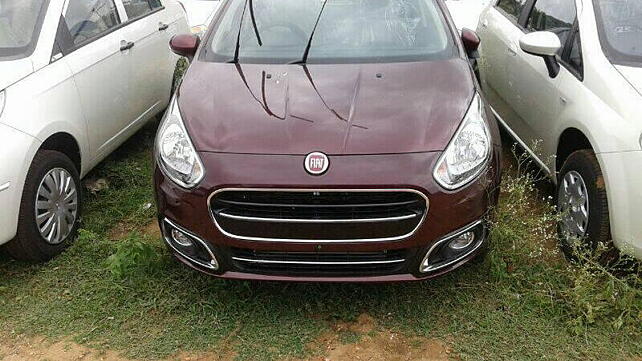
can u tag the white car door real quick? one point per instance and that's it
(89, 37)
(499, 31)
(537, 98)
(146, 28)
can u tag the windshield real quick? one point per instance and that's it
(620, 23)
(20, 21)
(348, 31)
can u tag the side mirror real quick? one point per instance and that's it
(544, 44)
(185, 45)
(471, 42)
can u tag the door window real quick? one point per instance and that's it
(88, 19)
(575, 54)
(138, 8)
(513, 8)
(556, 16)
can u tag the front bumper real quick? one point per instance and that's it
(447, 211)
(623, 181)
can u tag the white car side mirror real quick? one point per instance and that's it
(540, 43)
(545, 44)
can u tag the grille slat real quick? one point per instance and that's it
(321, 263)
(318, 215)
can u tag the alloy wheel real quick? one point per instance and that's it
(573, 203)
(56, 206)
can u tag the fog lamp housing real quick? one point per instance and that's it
(189, 246)
(454, 247)
(462, 241)
(181, 239)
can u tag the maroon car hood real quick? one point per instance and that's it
(336, 109)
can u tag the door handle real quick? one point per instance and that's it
(162, 26)
(126, 45)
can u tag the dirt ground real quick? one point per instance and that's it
(37, 349)
(375, 344)
(372, 344)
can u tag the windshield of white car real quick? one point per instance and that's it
(20, 22)
(348, 31)
(620, 29)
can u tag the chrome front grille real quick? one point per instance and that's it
(318, 216)
(319, 263)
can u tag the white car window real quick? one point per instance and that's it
(620, 25)
(512, 8)
(138, 8)
(19, 26)
(557, 16)
(87, 20)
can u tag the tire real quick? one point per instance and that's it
(597, 229)
(29, 244)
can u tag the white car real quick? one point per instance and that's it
(77, 78)
(565, 78)
(465, 13)
(200, 13)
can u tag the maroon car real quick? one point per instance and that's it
(337, 140)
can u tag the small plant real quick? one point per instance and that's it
(609, 295)
(132, 255)
(597, 289)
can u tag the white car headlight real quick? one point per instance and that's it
(2, 96)
(468, 152)
(175, 152)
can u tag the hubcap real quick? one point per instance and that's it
(56, 206)
(573, 205)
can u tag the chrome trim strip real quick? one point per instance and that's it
(445, 239)
(310, 220)
(5, 186)
(320, 263)
(364, 240)
(213, 265)
(522, 144)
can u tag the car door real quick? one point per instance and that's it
(498, 29)
(535, 94)
(89, 37)
(146, 27)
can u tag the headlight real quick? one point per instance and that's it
(199, 29)
(175, 153)
(2, 96)
(468, 152)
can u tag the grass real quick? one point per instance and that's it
(524, 302)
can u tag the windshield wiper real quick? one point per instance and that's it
(238, 36)
(256, 29)
(304, 59)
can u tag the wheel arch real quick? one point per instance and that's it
(571, 140)
(66, 144)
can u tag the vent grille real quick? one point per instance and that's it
(318, 216)
(319, 263)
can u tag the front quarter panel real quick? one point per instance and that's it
(46, 103)
(14, 166)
